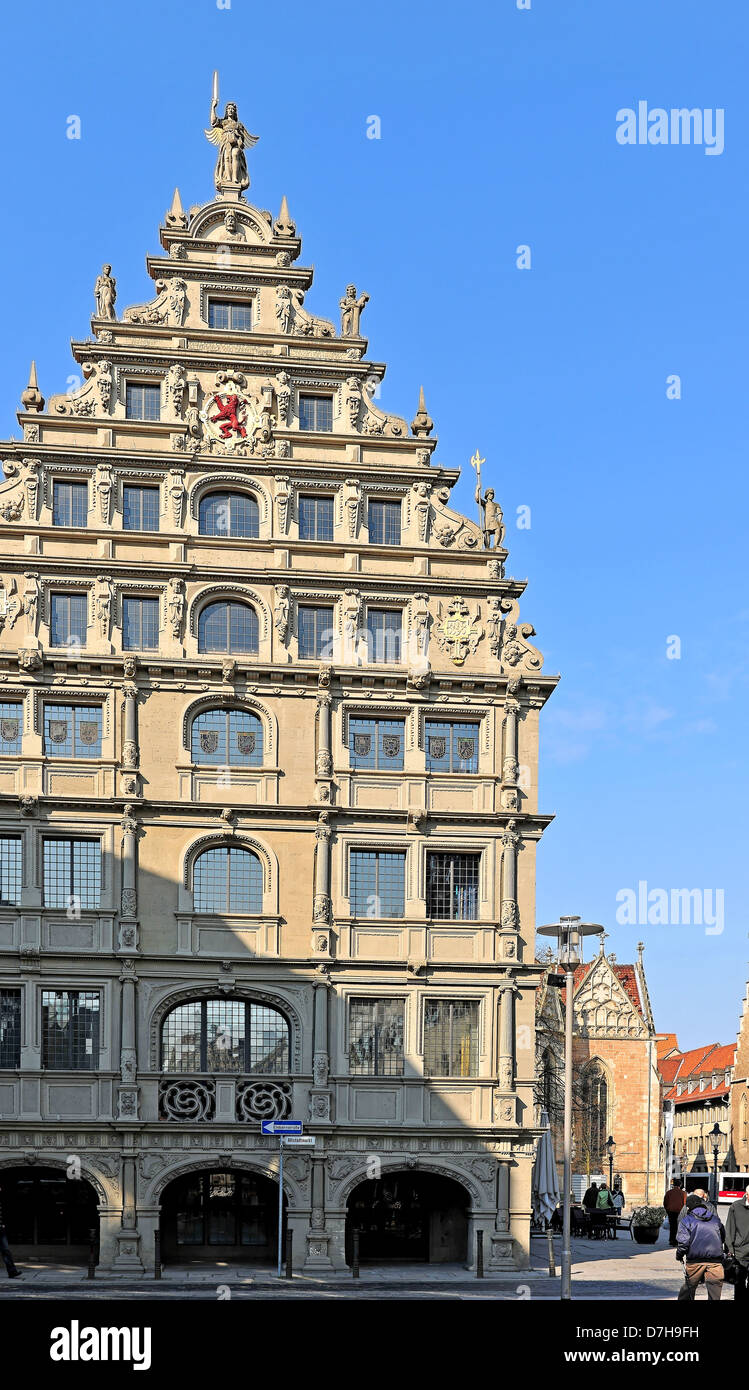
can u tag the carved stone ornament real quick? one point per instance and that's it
(30, 660)
(458, 632)
(168, 307)
(351, 312)
(231, 418)
(516, 653)
(231, 139)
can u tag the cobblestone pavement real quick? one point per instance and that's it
(602, 1270)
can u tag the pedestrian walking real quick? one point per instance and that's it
(737, 1243)
(8, 1260)
(674, 1202)
(591, 1197)
(700, 1239)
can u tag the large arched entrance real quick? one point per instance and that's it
(48, 1216)
(219, 1214)
(409, 1216)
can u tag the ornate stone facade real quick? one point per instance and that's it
(220, 613)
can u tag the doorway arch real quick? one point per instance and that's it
(48, 1216)
(409, 1216)
(220, 1214)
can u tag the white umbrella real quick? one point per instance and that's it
(544, 1184)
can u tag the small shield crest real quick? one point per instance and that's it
(437, 746)
(9, 729)
(246, 742)
(466, 749)
(391, 745)
(362, 745)
(88, 731)
(58, 730)
(208, 740)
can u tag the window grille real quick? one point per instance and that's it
(140, 508)
(70, 504)
(384, 522)
(70, 1030)
(316, 413)
(451, 1037)
(142, 402)
(315, 518)
(451, 747)
(378, 883)
(10, 1028)
(453, 886)
(140, 624)
(377, 743)
(228, 627)
(11, 727)
(11, 862)
(72, 874)
(229, 514)
(230, 314)
(228, 879)
(225, 1035)
(376, 1037)
(383, 635)
(315, 631)
(68, 620)
(227, 738)
(72, 731)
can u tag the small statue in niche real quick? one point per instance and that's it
(281, 615)
(492, 525)
(103, 604)
(105, 293)
(351, 312)
(176, 604)
(284, 308)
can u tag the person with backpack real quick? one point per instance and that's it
(700, 1239)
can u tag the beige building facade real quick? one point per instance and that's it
(268, 788)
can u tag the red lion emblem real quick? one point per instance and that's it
(227, 414)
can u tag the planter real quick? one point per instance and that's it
(645, 1235)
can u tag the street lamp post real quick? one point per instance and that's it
(611, 1150)
(569, 932)
(716, 1134)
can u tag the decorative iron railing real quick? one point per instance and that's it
(191, 1098)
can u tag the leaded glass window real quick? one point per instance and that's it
(453, 886)
(142, 402)
(228, 879)
(72, 874)
(451, 747)
(230, 314)
(378, 883)
(140, 508)
(70, 1029)
(451, 1037)
(72, 731)
(140, 624)
(227, 738)
(376, 1037)
(69, 504)
(316, 413)
(384, 522)
(11, 726)
(68, 621)
(10, 1028)
(220, 1035)
(10, 870)
(377, 743)
(228, 627)
(315, 631)
(229, 514)
(315, 518)
(383, 635)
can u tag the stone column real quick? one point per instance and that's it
(324, 759)
(322, 908)
(510, 767)
(127, 1239)
(506, 1035)
(128, 932)
(320, 1097)
(510, 841)
(501, 1240)
(130, 754)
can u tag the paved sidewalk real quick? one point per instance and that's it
(617, 1270)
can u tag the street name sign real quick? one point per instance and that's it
(281, 1126)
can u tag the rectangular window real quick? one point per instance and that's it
(10, 1028)
(383, 635)
(316, 413)
(377, 743)
(72, 731)
(142, 402)
(140, 508)
(72, 874)
(10, 870)
(70, 1029)
(384, 520)
(11, 726)
(452, 747)
(378, 883)
(376, 1037)
(315, 518)
(140, 624)
(68, 624)
(453, 886)
(451, 1037)
(230, 314)
(69, 504)
(315, 631)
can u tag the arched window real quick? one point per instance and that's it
(594, 1116)
(229, 514)
(227, 738)
(228, 627)
(227, 879)
(225, 1035)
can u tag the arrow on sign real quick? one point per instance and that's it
(281, 1126)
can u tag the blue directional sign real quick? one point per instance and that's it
(281, 1126)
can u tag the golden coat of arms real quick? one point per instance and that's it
(457, 631)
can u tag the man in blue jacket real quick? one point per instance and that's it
(699, 1243)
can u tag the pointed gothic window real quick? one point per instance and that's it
(594, 1107)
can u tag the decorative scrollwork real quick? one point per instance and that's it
(263, 1100)
(187, 1100)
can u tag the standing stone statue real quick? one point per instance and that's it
(105, 293)
(492, 524)
(351, 311)
(231, 138)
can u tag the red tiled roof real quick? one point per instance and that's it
(689, 1097)
(699, 1061)
(666, 1043)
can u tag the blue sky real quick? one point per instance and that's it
(498, 129)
